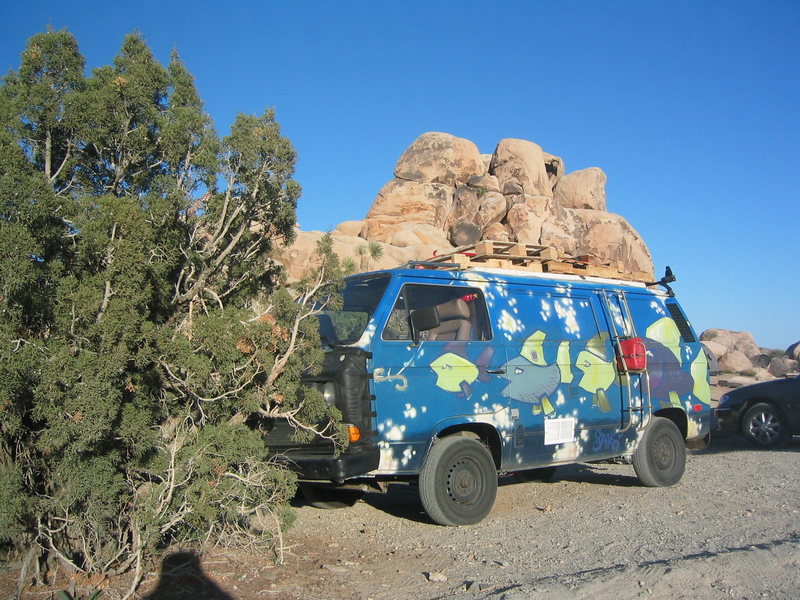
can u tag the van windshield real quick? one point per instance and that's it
(360, 298)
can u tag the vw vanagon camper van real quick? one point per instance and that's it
(449, 376)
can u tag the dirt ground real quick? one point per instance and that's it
(730, 529)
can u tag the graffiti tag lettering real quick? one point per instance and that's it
(606, 441)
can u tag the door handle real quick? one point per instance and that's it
(500, 371)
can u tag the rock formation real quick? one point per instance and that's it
(738, 353)
(446, 194)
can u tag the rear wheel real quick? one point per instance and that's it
(458, 482)
(763, 425)
(660, 458)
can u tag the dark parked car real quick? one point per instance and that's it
(767, 413)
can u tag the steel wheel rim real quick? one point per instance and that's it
(664, 453)
(464, 482)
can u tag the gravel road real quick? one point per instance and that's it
(730, 529)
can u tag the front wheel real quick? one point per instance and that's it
(764, 426)
(458, 482)
(660, 458)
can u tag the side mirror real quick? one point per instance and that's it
(423, 319)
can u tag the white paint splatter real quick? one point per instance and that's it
(396, 433)
(410, 412)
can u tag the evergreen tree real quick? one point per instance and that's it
(141, 320)
(41, 92)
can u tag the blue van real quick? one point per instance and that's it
(448, 376)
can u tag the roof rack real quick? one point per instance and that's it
(530, 258)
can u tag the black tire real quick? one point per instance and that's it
(764, 426)
(458, 482)
(540, 474)
(660, 458)
(330, 497)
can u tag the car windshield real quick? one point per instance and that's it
(360, 298)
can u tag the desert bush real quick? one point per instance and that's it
(142, 320)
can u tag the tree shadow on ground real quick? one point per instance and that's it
(182, 578)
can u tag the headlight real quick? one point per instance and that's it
(328, 390)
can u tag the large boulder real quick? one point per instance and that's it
(484, 183)
(440, 158)
(349, 227)
(554, 165)
(497, 232)
(520, 169)
(582, 189)
(717, 349)
(464, 206)
(740, 341)
(416, 234)
(610, 237)
(401, 202)
(300, 258)
(761, 361)
(793, 351)
(735, 361)
(492, 207)
(526, 216)
(782, 366)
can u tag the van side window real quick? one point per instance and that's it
(560, 317)
(461, 313)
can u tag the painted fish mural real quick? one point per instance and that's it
(532, 380)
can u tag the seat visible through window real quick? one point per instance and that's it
(454, 322)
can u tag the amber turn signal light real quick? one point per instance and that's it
(353, 433)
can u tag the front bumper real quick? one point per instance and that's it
(311, 465)
(726, 419)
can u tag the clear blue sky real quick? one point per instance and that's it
(692, 108)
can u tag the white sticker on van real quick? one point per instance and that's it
(559, 431)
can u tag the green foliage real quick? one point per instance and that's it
(142, 323)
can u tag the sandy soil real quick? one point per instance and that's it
(730, 529)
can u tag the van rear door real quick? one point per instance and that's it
(633, 381)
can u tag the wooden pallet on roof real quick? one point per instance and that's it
(491, 262)
(592, 266)
(509, 255)
(534, 258)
